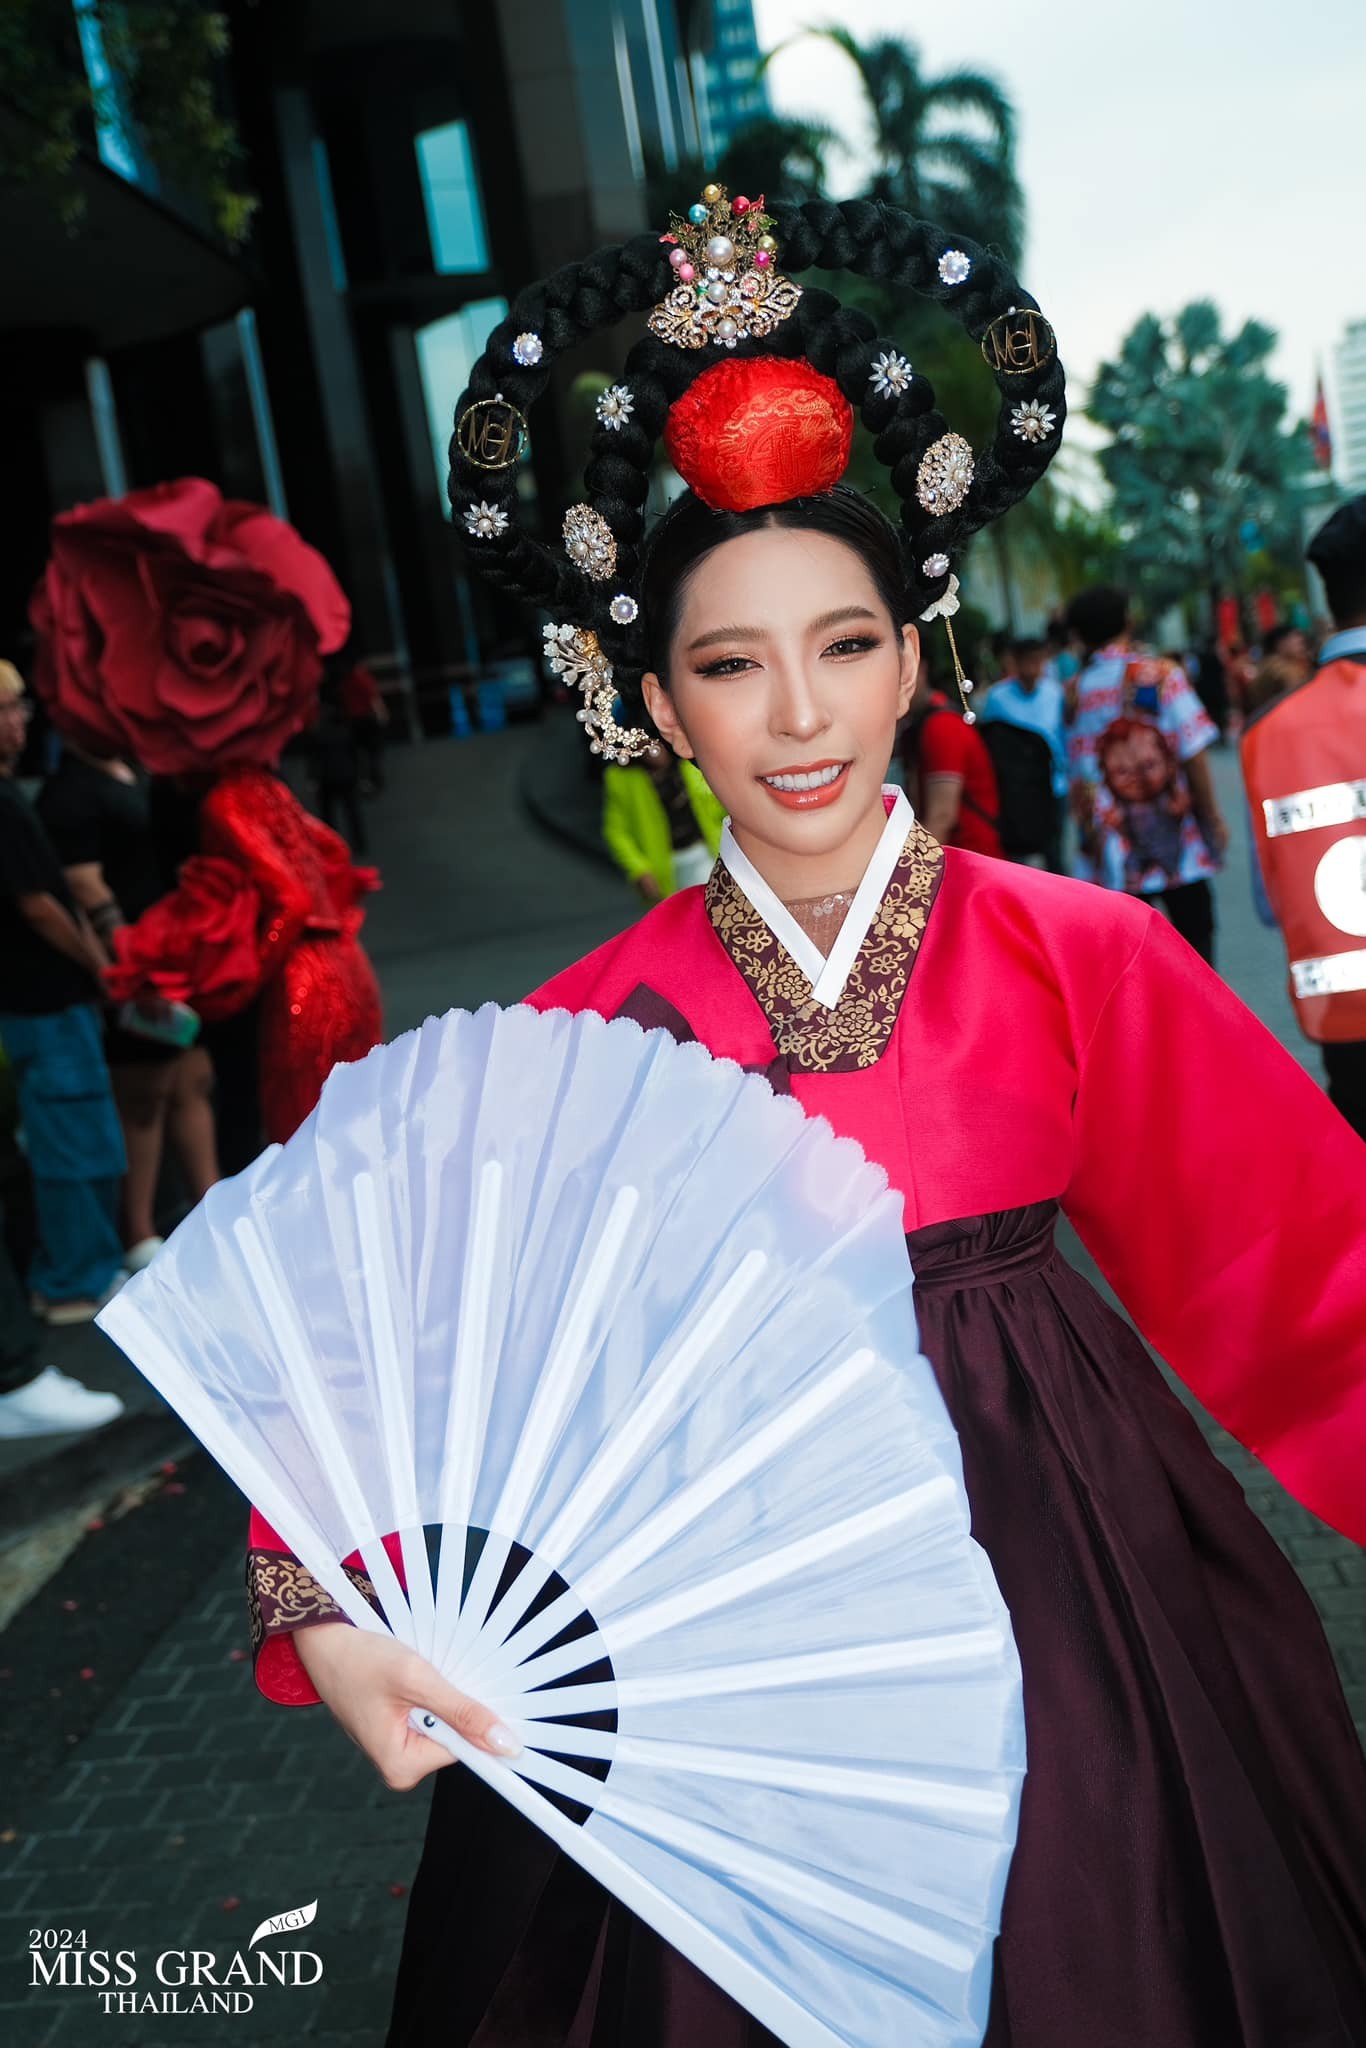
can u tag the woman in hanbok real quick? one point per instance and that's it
(1009, 1045)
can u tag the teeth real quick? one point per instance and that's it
(817, 780)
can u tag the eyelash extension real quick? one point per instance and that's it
(856, 643)
(727, 665)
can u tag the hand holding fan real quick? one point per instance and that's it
(622, 1346)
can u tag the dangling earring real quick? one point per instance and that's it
(944, 608)
(965, 684)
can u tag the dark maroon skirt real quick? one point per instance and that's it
(1191, 1863)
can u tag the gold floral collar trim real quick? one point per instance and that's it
(811, 1037)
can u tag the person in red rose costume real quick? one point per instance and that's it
(189, 631)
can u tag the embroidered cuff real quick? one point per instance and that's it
(281, 1599)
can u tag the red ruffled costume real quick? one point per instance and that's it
(270, 908)
(186, 632)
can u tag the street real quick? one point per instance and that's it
(153, 1803)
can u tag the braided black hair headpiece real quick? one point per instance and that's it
(946, 493)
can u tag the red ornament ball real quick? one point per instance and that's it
(740, 205)
(757, 431)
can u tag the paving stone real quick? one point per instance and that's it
(49, 1853)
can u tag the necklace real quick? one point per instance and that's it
(821, 917)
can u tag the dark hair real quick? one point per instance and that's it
(1345, 588)
(862, 236)
(690, 531)
(1098, 615)
(1338, 552)
(1028, 646)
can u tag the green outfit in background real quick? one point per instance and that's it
(636, 825)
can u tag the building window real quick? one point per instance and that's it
(450, 192)
(112, 134)
(447, 350)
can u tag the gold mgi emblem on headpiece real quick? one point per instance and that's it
(491, 433)
(1018, 341)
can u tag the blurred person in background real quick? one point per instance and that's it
(1304, 761)
(996, 660)
(1063, 659)
(1142, 793)
(1276, 677)
(96, 812)
(51, 967)
(37, 1400)
(368, 714)
(266, 909)
(1211, 683)
(949, 776)
(661, 823)
(1031, 786)
(1289, 645)
(1239, 670)
(334, 764)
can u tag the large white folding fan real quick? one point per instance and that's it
(622, 1345)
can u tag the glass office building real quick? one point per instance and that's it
(415, 164)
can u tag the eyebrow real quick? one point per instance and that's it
(826, 619)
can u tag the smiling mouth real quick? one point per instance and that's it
(806, 778)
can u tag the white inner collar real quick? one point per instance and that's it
(827, 973)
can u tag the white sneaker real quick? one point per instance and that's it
(83, 1309)
(143, 1253)
(53, 1403)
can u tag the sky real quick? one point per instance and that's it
(1169, 150)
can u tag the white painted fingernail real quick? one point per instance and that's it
(501, 1740)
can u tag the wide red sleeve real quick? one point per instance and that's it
(1224, 1198)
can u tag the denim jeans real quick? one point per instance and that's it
(74, 1145)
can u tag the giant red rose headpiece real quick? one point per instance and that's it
(182, 628)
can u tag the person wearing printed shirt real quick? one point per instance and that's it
(1142, 791)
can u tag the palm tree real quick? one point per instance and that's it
(929, 158)
(1204, 467)
(783, 157)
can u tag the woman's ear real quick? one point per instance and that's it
(910, 668)
(660, 706)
